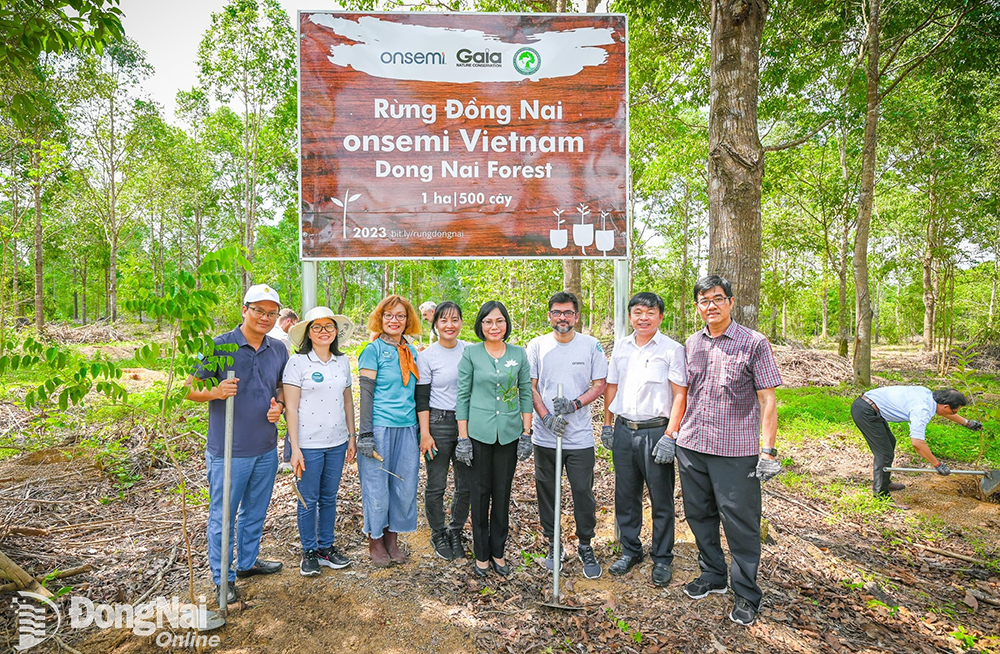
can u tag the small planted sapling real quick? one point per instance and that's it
(348, 198)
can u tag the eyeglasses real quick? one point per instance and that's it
(717, 301)
(329, 329)
(499, 322)
(390, 317)
(562, 314)
(260, 313)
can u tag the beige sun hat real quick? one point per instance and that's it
(345, 327)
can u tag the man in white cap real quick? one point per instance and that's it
(258, 361)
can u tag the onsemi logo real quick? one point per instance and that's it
(527, 61)
(485, 59)
(31, 619)
(420, 58)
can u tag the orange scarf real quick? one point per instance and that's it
(407, 364)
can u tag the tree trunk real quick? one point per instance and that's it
(736, 158)
(993, 287)
(572, 283)
(685, 237)
(39, 261)
(862, 338)
(343, 286)
(83, 287)
(929, 273)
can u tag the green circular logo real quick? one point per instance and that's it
(527, 61)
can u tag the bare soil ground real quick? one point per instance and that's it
(832, 581)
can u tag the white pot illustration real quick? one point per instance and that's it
(558, 238)
(604, 238)
(583, 234)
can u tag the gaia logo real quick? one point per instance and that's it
(317, 377)
(527, 61)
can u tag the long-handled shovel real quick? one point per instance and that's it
(989, 484)
(557, 536)
(215, 620)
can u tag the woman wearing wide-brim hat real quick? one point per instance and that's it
(319, 409)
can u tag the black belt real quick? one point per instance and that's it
(873, 405)
(652, 423)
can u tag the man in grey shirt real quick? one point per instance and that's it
(577, 363)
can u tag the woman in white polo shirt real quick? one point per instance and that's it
(319, 409)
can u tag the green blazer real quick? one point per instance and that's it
(493, 393)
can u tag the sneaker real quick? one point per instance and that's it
(700, 589)
(743, 612)
(310, 564)
(549, 559)
(624, 564)
(331, 557)
(455, 540)
(591, 568)
(442, 546)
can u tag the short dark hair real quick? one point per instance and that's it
(440, 310)
(307, 344)
(951, 397)
(708, 282)
(484, 311)
(651, 300)
(562, 297)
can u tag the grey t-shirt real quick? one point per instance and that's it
(574, 365)
(438, 366)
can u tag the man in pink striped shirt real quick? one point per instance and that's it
(731, 410)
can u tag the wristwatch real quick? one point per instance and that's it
(577, 404)
(530, 432)
(773, 451)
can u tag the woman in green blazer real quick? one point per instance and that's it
(494, 418)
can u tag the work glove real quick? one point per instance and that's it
(767, 469)
(974, 425)
(943, 469)
(366, 444)
(562, 406)
(608, 436)
(555, 423)
(463, 451)
(664, 450)
(524, 447)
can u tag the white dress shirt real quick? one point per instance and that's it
(643, 375)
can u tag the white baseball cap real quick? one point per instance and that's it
(261, 293)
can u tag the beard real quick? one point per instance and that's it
(563, 327)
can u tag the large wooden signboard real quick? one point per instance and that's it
(462, 135)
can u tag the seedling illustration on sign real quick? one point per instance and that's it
(457, 135)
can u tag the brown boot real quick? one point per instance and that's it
(376, 548)
(391, 539)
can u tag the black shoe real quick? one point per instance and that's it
(502, 570)
(743, 612)
(896, 486)
(442, 546)
(549, 561)
(310, 564)
(260, 567)
(330, 557)
(699, 589)
(231, 597)
(624, 564)
(662, 574)
(591, 568)
(455, 541)
(481, 572)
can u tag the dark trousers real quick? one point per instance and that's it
(491, 477)
(721, 489)
(880, 441)
(632, 453)
(579, 467)
(444, 430)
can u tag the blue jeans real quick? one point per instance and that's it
(319, 485)
(387, 501)
(250, 494)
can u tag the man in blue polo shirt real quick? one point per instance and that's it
(875, 409)
(258, 361)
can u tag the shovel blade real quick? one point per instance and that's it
(990, 483)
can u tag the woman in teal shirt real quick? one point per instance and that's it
(388, 446)
(494, 421)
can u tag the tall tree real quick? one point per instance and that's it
(248, 55)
